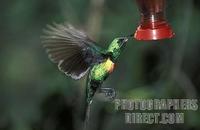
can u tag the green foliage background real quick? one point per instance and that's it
(34, 95)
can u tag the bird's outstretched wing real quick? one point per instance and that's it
(71, 49)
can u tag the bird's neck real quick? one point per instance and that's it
(109, 55)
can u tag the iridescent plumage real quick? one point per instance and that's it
(75, 53)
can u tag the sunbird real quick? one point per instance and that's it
(75, 54)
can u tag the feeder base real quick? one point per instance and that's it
(154, 31)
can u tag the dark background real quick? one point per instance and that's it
(34, 95)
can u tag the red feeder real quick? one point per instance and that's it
(153, 25)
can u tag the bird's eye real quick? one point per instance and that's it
(120, 40)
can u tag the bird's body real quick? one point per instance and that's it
(75, 54)
(97, 76)
(100, 71)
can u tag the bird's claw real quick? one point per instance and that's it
(108, 92)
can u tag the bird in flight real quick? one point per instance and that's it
(76, 54)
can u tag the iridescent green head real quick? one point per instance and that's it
(116, 47)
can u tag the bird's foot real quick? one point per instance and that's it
(108, 92)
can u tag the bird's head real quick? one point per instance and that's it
(115, 48)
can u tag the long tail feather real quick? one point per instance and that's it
(86, 116)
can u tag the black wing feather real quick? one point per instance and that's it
(70, 49)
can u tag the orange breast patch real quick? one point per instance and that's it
(109, 65)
